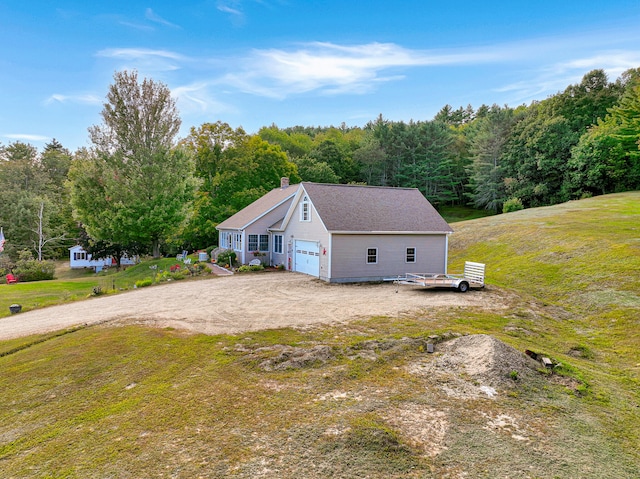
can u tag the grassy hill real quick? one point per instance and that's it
(364, 399)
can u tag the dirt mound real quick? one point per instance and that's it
(485, 358)
(477, 366)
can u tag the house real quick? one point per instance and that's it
(247, 232)
(79, 258)
(341, 233)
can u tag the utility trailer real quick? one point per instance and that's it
(473, 277)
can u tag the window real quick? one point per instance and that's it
(411, 255)
(237, 241)
(263, 244)
(305, 214)
(79, 255)
(258, 243)
(372, 255)
(225, 240)
(253, 243)
(277, 244)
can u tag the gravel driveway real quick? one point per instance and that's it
(231, 304)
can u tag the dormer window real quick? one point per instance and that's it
(305, 212)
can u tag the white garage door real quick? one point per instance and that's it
(307, 257)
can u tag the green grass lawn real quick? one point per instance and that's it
(141, 402)
(74, 285)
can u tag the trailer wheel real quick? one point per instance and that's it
(463, 287)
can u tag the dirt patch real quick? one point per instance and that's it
(233, 304)
(485, 358)
(423, 427)
(477, 366)
(297, 358)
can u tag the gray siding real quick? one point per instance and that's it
(260, 228)
(278, 259)
(349, 256)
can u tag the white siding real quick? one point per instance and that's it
(312, 230)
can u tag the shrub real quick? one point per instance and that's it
(512, 204)
(6, 265)
(245, 268)
(227, 257)
(198, 268)
(29, 269)
(180, 274)
(141, 283)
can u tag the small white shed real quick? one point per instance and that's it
(79, 258)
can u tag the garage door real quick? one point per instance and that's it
(307, 257)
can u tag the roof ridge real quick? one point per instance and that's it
(359, 186)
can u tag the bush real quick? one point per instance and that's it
(245, 268)
(29, 269)
(180, 274)
(512, 204)
(197, 268)
(227, 257)
(141, 283)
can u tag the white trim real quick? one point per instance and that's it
(367, 255)
(293, 193)
(244, 246)
(305, 209)
(329, 257)
(406, 254)
(260, 237)
(273, 243)
(292, 209)
(390, 232)
(446, 252)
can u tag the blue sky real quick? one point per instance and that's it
(252, 63)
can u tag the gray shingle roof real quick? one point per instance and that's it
(357, 208)
(255, 210)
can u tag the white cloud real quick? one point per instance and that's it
(137, 26)
(613, 62)
(332, 68)
(86, 99)
(152, 16)
(231, 7)
(557, 76)
(138, 53)
(145, 59)
(26, 137)
(196, 98)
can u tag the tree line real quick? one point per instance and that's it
(138, 189)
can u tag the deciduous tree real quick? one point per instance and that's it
(134, 186)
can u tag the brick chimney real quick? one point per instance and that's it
(284, 182)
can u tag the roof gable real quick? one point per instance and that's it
(256, 210)
(354, 208)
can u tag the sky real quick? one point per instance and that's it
(254, 63)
